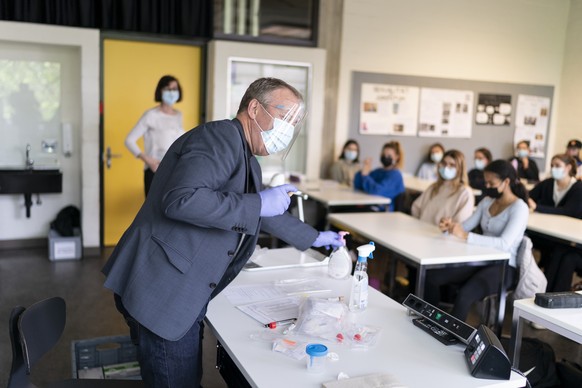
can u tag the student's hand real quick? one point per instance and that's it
(532, 204)
(445, 223)
(367, 167)
(457, 230)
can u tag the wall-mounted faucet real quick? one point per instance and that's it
(29, 161)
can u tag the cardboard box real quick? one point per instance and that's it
(64, 248)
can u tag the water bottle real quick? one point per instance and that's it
(340, 262)
(359, 294)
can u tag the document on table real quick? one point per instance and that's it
(273, 310)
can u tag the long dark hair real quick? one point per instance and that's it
(504, 170)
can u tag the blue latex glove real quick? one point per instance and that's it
(276, 200)
(327, 239)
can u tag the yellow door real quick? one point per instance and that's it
(131, 71)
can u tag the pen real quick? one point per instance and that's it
(273, 325)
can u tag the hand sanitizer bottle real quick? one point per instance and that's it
(359, 294)
(340, 262)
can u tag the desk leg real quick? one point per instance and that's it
(420, 278)
(516, 335)
(500, 315)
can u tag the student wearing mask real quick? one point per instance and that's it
(387, 180)
(449, 196)
(573, 149)
(428, 169)
(502, 216)
(348, 163)
(526, 167)
(476, 177)
(159, 126)
(198, 227)
(560, 194)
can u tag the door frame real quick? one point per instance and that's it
(186, 41)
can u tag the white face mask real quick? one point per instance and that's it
(436, 156)
(448, 173)
(558, 173)
(479, 164)
(522, 153)
(170, 97)
(350, 155)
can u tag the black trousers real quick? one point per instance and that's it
(564, 261)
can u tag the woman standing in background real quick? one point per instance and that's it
(159, 126)
(348, 163)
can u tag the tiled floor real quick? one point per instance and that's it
(26, 276)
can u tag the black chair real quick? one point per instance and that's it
(36, 330)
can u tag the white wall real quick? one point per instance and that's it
(217, 86)
(569, 124)
(495, 40)
(83, 45)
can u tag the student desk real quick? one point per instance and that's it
(332, 194)
(403, 350)
(421, 245)
(419, 185)
(568, 229)
(566, 322)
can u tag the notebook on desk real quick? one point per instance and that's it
(279, 258)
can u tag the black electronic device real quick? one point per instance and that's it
(440, 318)
(485, 356)
(559, 300)
(435, 331)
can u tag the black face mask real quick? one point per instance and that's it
(492, 192)
(386, 161)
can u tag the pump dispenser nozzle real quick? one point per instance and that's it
(365, 251)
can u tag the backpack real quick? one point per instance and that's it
(538, 360)
(531, 278)
(67, 220)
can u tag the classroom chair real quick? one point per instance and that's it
(36, 330)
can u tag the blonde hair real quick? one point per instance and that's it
(395, 145)
(460, 180)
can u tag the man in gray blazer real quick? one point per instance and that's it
(198, 227)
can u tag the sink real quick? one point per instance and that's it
(30, 181)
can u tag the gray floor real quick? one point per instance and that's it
(26, 276)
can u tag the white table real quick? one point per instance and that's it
(331, 193)
(564, 228)
(421, 245)
(403, 350)
(566, 322)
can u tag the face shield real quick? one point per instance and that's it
(287, 123)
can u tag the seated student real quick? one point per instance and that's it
(387, 180)
(344, 169)
(449, 196)
(560, 194)
(573, 149)
(502, 216)
(476, 178)
(563, 262)
(428, 169)
(526, 167)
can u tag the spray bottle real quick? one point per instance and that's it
(359, 294)
(340, 262)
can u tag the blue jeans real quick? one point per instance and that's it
(163, 363)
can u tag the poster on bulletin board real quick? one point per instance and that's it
(445, 113)
(493, 109)
(388, 109)
(531, 123)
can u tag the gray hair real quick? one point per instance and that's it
(261, 89)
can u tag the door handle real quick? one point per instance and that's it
(108, 156)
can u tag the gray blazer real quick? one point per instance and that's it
(175, 254)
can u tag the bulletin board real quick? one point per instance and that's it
(493, 127)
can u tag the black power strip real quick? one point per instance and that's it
(438, 317)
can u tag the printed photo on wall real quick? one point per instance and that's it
(493, 109)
